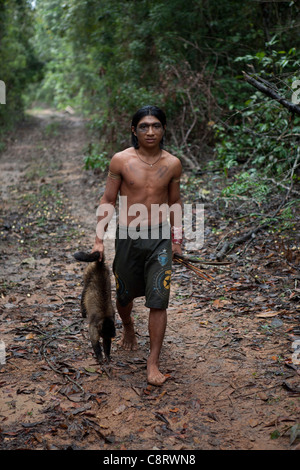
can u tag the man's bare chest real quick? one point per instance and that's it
(145, 178)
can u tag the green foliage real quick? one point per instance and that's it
(287, 217)
(94, 158)
(248, 184)
(18, 63)
(263, 134)
(272, 61)
(106, 59)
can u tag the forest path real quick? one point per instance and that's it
(227, 351)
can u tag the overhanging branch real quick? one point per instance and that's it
(271, 93)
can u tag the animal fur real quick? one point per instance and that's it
(96, 303)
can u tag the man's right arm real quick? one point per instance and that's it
(107, 204)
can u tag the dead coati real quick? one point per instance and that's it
(96, 303)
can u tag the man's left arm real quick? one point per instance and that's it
(175, 205)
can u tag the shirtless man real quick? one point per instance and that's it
(146, 177)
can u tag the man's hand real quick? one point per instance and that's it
(98, 246)
(176, 249)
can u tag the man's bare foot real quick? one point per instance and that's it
(128, 341)
(154, 376)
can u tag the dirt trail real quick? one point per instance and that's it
(227, 351)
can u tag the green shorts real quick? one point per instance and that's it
(142, 265)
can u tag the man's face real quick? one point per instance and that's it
(149, 131)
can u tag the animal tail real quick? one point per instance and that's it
(108, 328)
(87, 257)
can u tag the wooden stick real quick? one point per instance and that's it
(207, 277)
(271, 93)
(210, 263)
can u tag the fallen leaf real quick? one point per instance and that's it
(81, 409)
(30, 261)
(119, 410)
(220, 303)
(268, 314)
(161, 394)
(130, 417)
(259, 299)
(30, 336)
(295, 432)
(75, 397)
(90, 369)
(254, 422)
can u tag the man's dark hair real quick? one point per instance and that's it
(147, 111)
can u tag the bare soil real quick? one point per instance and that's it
(231, 381)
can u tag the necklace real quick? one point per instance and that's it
(149, 164)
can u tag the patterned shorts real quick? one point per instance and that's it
(143, 265)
